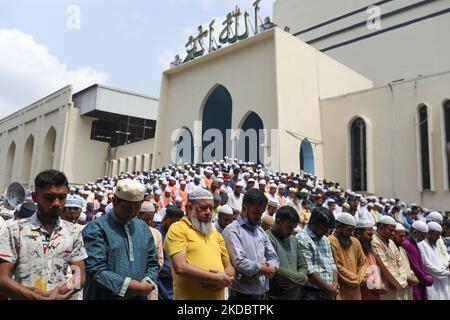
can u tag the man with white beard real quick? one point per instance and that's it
(200, 262)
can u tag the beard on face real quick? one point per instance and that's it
(205, 228)
(366, 246)
(344, 241)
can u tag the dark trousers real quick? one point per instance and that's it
(234, 295)
(310, 293)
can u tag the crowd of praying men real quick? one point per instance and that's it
(232, 230)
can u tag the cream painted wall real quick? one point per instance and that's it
(84, 158)
(274, 74)
(305, 75)
(35, 120)
(139, 155)
(246, 69)
(394, 168)
(383, 58)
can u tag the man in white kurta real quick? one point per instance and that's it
(433, 263)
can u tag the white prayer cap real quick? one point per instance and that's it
(370, 204)
(226, 209)
(347, 219)
(434, 226)
(346, 205)
(273, 185)
(240, 184)
(276, 178)
(98, 215)
(167, 190)
(362, 224)
(392, 201)
(387, 220)
(183, 182)
(420, 226)
(262, 175)
(179, 200)
(400, 227)
(379, 205)
(305, 191)
(197, 177)
(251, 180)
(172, 179)
(147, 206)
(200, 194)
(74, 202)
(435, 217)
(157, 218)
(72, 189)
(82, 217)
(274, 203)
(104, 203)
(130, 190)
(363, 200)
(262, 182)
(292, 190)
(158, 192)
(282, 186)
(309, 184)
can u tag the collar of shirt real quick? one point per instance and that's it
(37, 224)
(240, 220)
(311, 234)
(117, 220)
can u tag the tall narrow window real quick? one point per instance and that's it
(447, 137)
(424, 148)
(358, 155)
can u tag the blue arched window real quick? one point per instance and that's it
(307, 157)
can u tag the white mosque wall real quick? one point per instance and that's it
(393, 151)
(414, 31)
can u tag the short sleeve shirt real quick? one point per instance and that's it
(41, 260)
(204, 252)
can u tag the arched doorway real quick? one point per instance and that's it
(48, 150)
(27, 161)
(9, 165)
(250, 140)
(307, 157)
(216, 114)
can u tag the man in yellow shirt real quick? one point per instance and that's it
(200, 262)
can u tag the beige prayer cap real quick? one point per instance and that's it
(130, 190)
(147, 206)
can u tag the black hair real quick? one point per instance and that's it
(174, 212)
(322, 216)
(255, 197)
(446, 223)
(50, 178)
(287, 213)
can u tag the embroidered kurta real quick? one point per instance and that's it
(118, 253)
